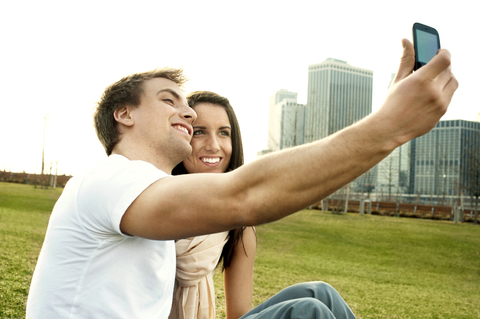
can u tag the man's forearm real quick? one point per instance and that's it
(295, 178)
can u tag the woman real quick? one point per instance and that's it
(217, 148)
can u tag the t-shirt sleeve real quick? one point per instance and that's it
(107, 192)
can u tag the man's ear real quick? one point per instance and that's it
(123, 115)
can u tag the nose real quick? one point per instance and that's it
(188, 114)
(212, 144)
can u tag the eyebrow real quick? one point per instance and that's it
(175, 94)
(220, 128)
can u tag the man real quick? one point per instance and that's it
(108, 252)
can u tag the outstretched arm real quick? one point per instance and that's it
(284, 182)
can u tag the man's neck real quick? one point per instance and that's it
(133, 155)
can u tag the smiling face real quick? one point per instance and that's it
(163, 123)
(211, 141)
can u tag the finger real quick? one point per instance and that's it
(447, 91)
(437, 65)
(451, 85)
(407, 60)
(446, 84)
(444, 78)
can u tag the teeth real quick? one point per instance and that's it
(182, 128)
(211, 160)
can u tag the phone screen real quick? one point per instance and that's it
(427, 45)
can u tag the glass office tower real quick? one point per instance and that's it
(339, 94)
(446, 160)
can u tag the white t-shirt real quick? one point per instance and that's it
(87, 268)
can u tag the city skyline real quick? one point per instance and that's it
(339, 94)
(444, 162)
(55, 62)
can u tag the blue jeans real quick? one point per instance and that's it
(312, 300)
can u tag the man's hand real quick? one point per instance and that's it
(417, 101)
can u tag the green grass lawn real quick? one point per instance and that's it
(384, 267)
(24, 213)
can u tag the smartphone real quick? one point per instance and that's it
(426, 42)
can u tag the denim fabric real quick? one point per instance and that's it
(312, 300)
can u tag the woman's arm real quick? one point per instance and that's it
(238, 278)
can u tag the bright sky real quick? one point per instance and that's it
(58, 56)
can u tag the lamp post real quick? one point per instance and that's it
(43, 149)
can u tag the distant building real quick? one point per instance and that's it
(393, 173)
(289, 121)
(338, 95)
(445, 160)
(285, 121)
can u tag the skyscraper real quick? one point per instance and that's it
(285, 119)
(339, 94)
(289, 120)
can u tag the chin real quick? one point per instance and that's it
(187, 151)
(181, 154)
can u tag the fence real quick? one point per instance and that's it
(397, 209)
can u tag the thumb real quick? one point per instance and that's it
(407, 62)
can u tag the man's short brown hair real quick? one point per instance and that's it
(126, 91)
